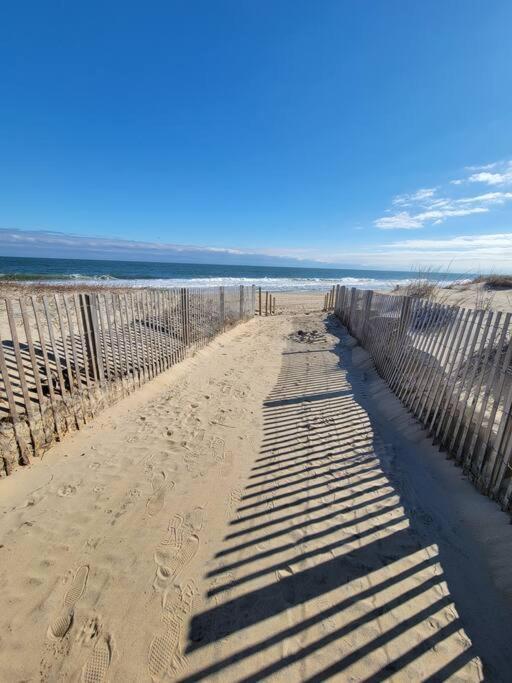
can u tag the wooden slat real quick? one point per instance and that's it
(491, 389)
(21, 375)
(475, 384)
(99, 337)
(87, 360)
(436, 374)
(437, 333)
(18, 435)
(140, 335)
(47, 367)
(437, 405)
(41, 400)
(448, 411)
(56, 356)
(76, 375)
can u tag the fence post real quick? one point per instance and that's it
(366, 316)
(336, 299)
(404, 314)
(221, 306)
(241, 302)
(184, 315)
(90, 334)
(22, 448)
(352, 306)
(343, 303)
(259, 295)
(266, 303)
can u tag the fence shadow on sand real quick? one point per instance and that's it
(322, 573)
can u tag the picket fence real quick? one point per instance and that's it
(64, 356)
(451, 367)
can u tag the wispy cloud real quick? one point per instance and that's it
(425, 206)
(46, 243)
(436, 214)
(466, 253)
(415, 197)
(497, 173)
(461, 254)
(399, 221)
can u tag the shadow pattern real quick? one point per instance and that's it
(322, 575)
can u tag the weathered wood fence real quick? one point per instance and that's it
(451, 367)
(266, 303)
(64, 356)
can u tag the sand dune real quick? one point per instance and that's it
(265, 510)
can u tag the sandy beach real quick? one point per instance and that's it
(264, 510)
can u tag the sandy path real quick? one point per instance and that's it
(248, 515)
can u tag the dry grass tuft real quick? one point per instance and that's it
(425, 286)
(494, 281)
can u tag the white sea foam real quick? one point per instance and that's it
(267, 283)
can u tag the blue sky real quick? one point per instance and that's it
(363, 133)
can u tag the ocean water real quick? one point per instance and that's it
(138, 273)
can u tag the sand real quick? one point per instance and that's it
(265, 510)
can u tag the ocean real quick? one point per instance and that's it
(138, 273)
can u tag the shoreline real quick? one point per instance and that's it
(465, 295)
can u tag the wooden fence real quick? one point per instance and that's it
(64, 356)
(266, 303)
(451, 367)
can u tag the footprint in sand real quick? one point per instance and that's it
(169, 566)
(65, 491)
(164, 649)
(96, 668)
(62, 623)
(195, 520)
(179, 604)
(174, 536)
(157, 499)
(218, 449)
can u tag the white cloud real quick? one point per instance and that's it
(462, 254)
(489, 197)
(466, 253)
(405, 221)
(492, 178)
(400, 221)
(484, 167)
(466, 242)
(416, 209)
(501, 174)
(414, 198)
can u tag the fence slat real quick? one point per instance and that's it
(35, 371)
(69, 354)
(20, 441)
(450, 366)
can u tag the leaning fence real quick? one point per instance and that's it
(451, 367)
(64, 356)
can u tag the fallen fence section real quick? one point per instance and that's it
(63, 357)
(451, 367)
